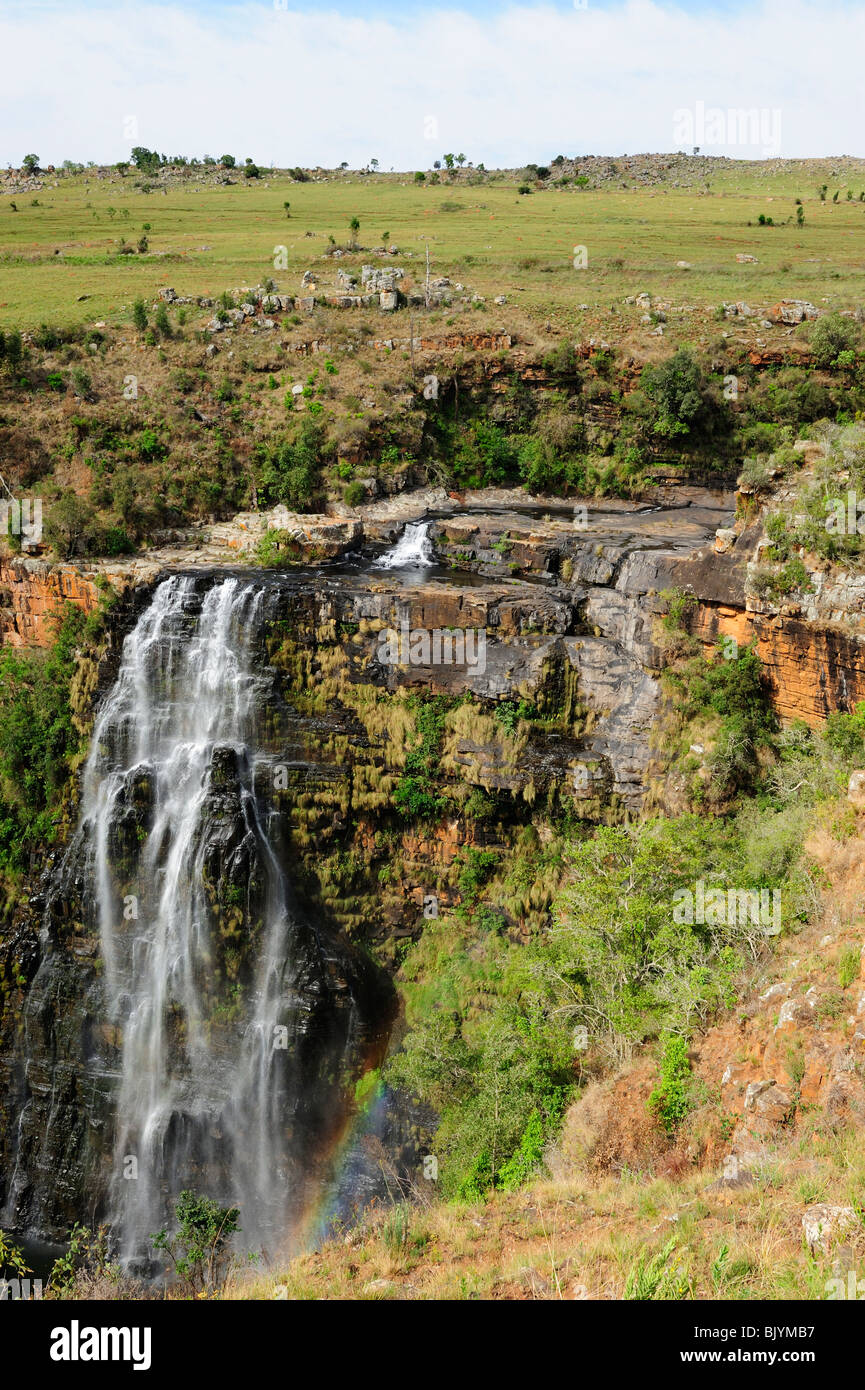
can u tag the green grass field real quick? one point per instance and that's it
(59, 260)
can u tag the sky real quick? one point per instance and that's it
(287, 82)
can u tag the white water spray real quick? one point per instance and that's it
(187, 887)
(413, 550)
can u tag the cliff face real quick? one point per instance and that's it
(562, 603)
(30, 592)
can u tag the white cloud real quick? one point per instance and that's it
(527, 83)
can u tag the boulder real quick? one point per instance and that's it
(768, 1101)
(792, 311)
(824, 1225)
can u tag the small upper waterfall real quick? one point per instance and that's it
(233, 1024)
(413, 550)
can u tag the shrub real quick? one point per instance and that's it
(290, 471)
(846, 732)
(199, 1249)
(84, 1264)
(354, 494)
(69, 525)
(832, 335)
(486, 457)
(671, 1100)
(526, 1158)
(150, 446)
(12, 1262)
(678, 390)
(476, 865)
(81, 381)
(849, 966)
(38, 740)
(732, 689)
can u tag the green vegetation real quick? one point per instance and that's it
(199, 1250)
(731, 687)
(679, 393)
(85, 1269)
(671, 1099)
(289, 471)
(415, 795)
(12, 1262)
(39, 739)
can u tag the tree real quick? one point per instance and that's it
(251, 171)
(344, 164)
(199, 1248)
(831, 336)
(290, 469)
(678, 390)
(461, 159)
(354, 228)
(449, 161)
(69, 524)
(227, 161)
(144, 159)
(373, 163)
(139, 311)
(286, 206)
(30, 163)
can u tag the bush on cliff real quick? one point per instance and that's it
(38, 740)
(680, 394)
(290, 470)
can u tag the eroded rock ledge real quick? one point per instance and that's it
(563, 591)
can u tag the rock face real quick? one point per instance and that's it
(812, 647)
(151, 1029)
(30, 592)
(824, 1225)
(608, 561)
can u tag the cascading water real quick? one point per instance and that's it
(235, 1022)
(413, 550)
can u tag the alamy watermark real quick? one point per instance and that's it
(437, 646)
(838, 1290)
(757, 127)
(22, 519)
(20, 1290)
(716, 907)
(846, 518)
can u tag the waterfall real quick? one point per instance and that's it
(229, 1027)
(413, 550)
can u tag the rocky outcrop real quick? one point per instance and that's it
(31, 592)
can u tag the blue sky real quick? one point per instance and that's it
(404, 82)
